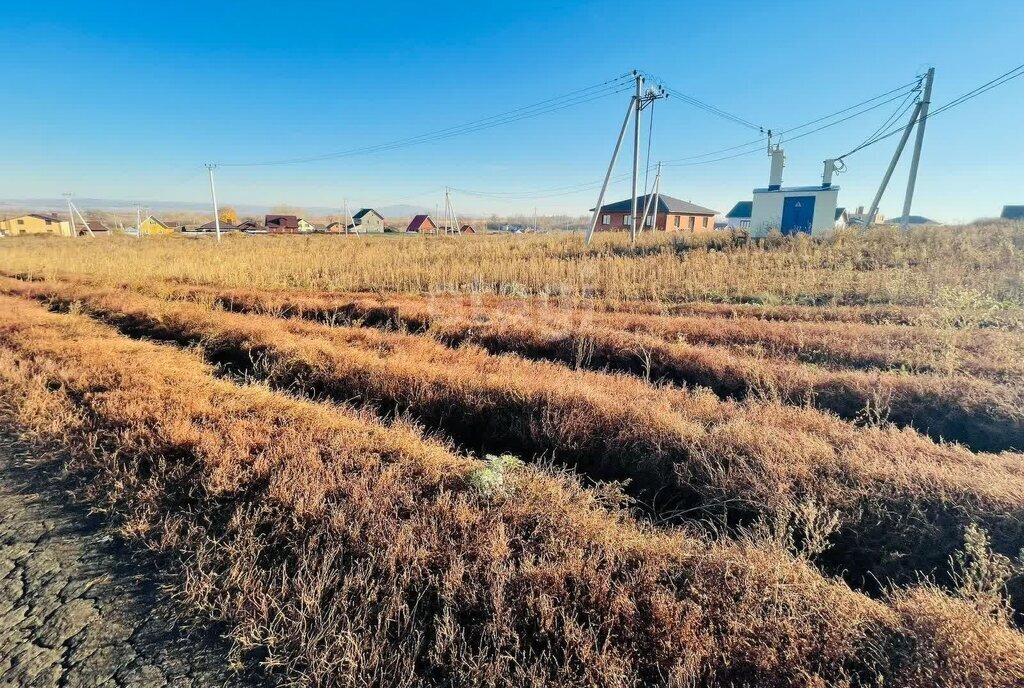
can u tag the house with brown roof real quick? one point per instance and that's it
(673, 215)
(35, 223)
(94, 228)
(252, 227)
(422, 224)
(282, 224)
(467, 229)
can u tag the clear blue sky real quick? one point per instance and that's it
(127, 100)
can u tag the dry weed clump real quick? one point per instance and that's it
(904, 500)
(352, 553)
(980, 413)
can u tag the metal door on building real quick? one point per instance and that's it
(797, 214)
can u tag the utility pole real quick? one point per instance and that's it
(916, 118)
(71, 216)
(346, 218)
(608, 174)
(638, 105)
(213, 194)
(912, 180)
(138, 221)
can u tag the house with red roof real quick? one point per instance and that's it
(422, 224)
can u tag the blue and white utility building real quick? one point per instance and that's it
(794, 209)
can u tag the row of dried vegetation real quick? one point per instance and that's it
(902, 501)
(921, 377)
(881, 266)
(356, 554)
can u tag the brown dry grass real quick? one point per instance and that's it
(953, 405)
(877, 267)
(358, 554)
(903, 499)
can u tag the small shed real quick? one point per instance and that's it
(422, 224)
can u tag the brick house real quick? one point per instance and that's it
(673, 215)
(282, 224)
(422, 224)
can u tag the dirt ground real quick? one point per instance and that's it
(76, 607)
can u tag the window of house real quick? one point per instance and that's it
(650, 220)
(705, 223)
(744, 223)
(625, 220)
(677, 222)
(47, 223)
(21, 222)
(607, 219)
(692, 221)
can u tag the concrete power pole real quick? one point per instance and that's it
(213, 194)
(922, 120)
(608, 174)
(138, 221)
(637, 104)
(71, 216)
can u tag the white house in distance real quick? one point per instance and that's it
(794, 209)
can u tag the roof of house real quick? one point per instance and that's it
(41, 216)
(666, 204)
(839, 212)
(364, 212)
(282, 221)
(913, 220)
(418, 222)
(97, 226)
(468, 228)
(212, 226)
(741, 210)
(151, 218)
(1013, 212)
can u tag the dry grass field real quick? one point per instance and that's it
(518, 461)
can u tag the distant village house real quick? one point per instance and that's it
(154, 227)
(282, 224)
(35, 223)
(1012, 212)
(422, 224)
(368, 220)
(673, 215)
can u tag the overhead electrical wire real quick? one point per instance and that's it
(566, 100)
(748, 148)
(1014, 73)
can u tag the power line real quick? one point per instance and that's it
(960, 100)
(760, 141)
(570, 99)
(707, 107)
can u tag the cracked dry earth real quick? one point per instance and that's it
(75, 609)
